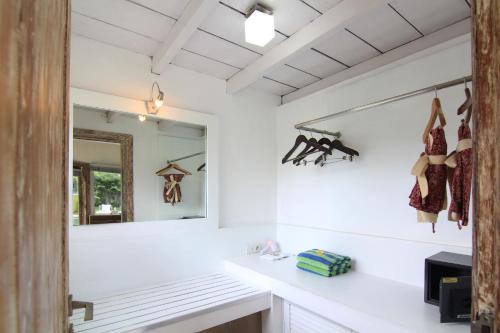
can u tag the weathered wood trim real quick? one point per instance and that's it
(33, 153)
(84, 199)
(127, 152)
(486, 147)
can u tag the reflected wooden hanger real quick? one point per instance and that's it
(435, 113)
(467, 105)
(166, 170)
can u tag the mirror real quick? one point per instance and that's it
(127, 170)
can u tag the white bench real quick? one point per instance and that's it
(190, 305)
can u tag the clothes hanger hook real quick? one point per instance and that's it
(465, 82)
(436, 92)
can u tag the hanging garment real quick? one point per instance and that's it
(460, 180)
(429, 193)
(172, 190)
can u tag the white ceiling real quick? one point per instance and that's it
(218, 48)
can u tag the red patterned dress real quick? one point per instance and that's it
(429, 193)
(460, 180)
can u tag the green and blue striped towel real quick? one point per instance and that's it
(323, 259)
(327, 273)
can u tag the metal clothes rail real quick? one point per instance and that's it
(303, 125)
(185, 157)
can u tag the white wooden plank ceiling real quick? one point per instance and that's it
(218, 48)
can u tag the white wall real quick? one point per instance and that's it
(97, 152)
(131, 255)
(358, 208)
(105, 260)
(246, 121)
(361, 208)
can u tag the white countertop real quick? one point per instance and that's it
(362, 302)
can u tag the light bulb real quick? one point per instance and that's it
(158, 103)
(259, 28)
(142, 117)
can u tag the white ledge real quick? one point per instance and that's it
(361, 302)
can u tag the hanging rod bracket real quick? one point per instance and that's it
(319, 131)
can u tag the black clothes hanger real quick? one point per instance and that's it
(298, 141)
(323, 142)
(201, 167)
(336, 144)
(302, 154)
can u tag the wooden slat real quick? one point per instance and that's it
(108, 310)
(151, 294)
(164, 303)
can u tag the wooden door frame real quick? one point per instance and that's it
(34, 131)
(486, 165)
(126, 142)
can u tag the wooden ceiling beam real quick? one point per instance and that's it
(331, 21)
(186, 25)
(458, 29)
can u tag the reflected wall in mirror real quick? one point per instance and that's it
(125, 170)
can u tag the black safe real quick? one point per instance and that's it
(448, 285)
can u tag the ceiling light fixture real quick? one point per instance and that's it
(259, 26)
(156, 100)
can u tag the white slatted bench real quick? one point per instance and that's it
(190, 305)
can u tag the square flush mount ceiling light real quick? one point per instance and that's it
(259, 26)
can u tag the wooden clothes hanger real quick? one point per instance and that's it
(337, 144)
(322, 142)
(467, 105)
(298, 141)
(435, 113)
(166, 170)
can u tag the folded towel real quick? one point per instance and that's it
(322, 272)
(322, 259)
(320, 265)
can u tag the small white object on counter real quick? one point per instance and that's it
(274, 257)
(361, 302)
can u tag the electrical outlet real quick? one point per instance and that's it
(254, 248)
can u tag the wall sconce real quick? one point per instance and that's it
(156, 100)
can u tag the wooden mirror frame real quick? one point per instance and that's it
(127, 166)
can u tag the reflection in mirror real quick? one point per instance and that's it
(126, 170)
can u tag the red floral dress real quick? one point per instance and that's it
(461, 176)
(172, 190)
(431, 178)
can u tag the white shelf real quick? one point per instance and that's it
(359, 301)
